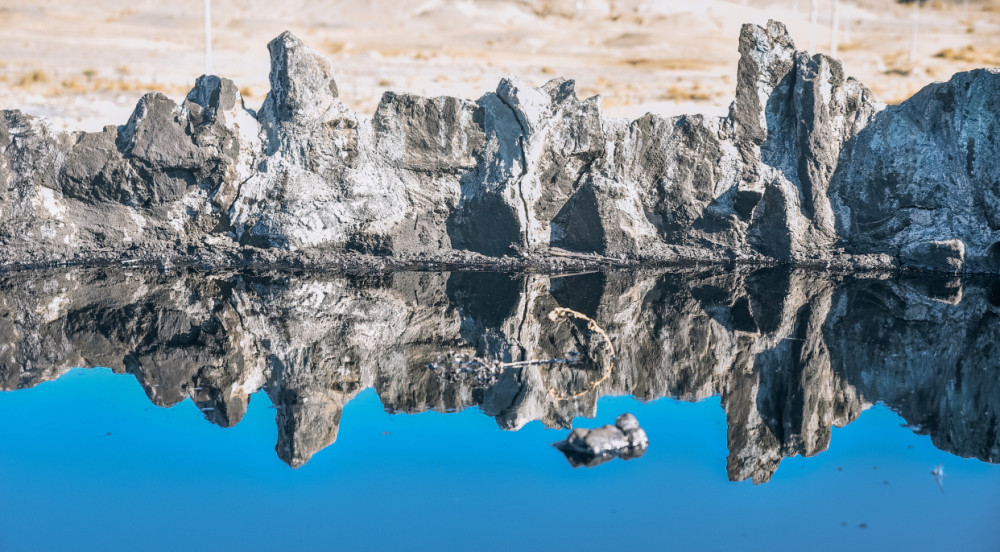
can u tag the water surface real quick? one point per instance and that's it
(782, 407)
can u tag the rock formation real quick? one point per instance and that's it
(792, 354)
(590, 447)
(807, 168)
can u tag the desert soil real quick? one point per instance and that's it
(85, 63)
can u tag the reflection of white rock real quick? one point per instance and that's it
(589, 447)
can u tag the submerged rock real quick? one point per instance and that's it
(590, 447)
(807, 168)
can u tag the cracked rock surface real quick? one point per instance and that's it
(808, 168)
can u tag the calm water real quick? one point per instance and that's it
(785, 410)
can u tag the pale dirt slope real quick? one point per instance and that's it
(85, 63)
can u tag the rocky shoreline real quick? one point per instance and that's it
(808, 169)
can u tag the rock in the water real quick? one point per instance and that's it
(590, 447)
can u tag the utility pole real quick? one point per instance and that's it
(813, 9)
(913, 32)
(847, 24)
(208, 37)
(834, 23)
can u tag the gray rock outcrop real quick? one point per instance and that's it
(807, 168)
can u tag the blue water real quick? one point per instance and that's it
(87, 463)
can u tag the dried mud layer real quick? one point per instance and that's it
(808, 168)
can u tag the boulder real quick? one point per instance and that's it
(590, 447)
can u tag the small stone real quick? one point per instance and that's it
(589, 447)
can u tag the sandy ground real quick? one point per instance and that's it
(85, 63)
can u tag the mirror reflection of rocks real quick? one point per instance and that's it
(808, 168)
(791, 353)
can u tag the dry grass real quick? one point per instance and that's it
(333, 46)
(853, 46)
(970, 54)
(674, 64)
(631, 40)
(686, 91)
(34, 78)
(896, 93)
(119, 16)
(587, 92)
(75, 86)
(41, 82)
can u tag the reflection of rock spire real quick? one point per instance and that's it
(784, 397)
(307, 424)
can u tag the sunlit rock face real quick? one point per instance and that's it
(808, 168)
(154, 184)
(791, 353)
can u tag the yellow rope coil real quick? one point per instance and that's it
(561, 312)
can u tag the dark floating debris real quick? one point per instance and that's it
(590, 447)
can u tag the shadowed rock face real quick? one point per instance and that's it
(792, 354)
(807, 168)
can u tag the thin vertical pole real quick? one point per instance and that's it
(847, 24)
(208, 37)
(834, 23)
(913, 32)
(813, 9)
